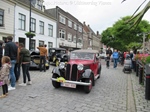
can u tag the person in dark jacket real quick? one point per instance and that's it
(1, 52)
(11, 51)
(25, 62)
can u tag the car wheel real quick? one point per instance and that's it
(55, 84)
(87, 89)
(57, 62)
(47, 67)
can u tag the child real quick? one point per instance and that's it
(107, 60)
(4, 75)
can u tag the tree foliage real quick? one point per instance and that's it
(120, 36)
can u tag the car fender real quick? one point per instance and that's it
(87, 73)
(56, 71)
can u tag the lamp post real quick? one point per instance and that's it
(30, 27)
(76, 36)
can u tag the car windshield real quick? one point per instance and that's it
(82, 55)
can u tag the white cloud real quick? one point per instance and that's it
(99, 14)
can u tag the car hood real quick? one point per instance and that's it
(84, 62)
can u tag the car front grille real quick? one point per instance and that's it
(71, 72)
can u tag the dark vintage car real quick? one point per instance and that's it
(35, 60)
(57, 55)
(83, 68)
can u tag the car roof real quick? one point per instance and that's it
(86, 50)
(57, 48)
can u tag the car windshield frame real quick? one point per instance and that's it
(82, 56)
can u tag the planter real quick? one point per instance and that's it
(30, 34)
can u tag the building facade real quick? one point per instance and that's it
(7, 8)
(69, 29)
(42, 24)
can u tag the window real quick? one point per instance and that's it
(41, 27)
(69, 37)
(62, 19)
(69, 23)
(62, 34)
(90, 42)
(41, 43)
(1, 17)
(50, 30)
(32, 44)
(75, 26)
(80, 29)
(50, 44)
(74, 39)
(80, 40)
(33, 25)
(39, 4)
(22, 20)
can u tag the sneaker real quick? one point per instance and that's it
(29, 83)
(11, 88)
(2, 96)
(22, 84)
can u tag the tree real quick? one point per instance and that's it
(121, 37)
(139, 15)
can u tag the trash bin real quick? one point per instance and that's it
(147, 87)
(140, 74)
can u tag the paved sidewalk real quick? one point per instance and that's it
(110, 94)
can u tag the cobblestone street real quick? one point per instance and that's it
(108, 95)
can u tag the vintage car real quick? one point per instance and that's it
(83, 68)
(35, 60)
(57, 55)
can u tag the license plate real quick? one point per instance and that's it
(68, 85)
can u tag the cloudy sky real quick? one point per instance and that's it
(99, 14)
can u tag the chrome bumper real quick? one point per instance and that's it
(74, 82)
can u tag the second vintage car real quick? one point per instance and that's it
(35, 60)
(83, 68)
(57, 55)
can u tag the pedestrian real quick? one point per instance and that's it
(25, 62)
(11, 51)
(115, 56)
(43, 57)
(1, 51)
(17, 66)
(4, 75)
(107, 60)
(109, 51)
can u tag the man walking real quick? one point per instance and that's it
(11, 51)
(43, 56)
(108, 55)
(115, 58)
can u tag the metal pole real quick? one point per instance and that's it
(57, 25)
(30, 27)
(143, 43)
(76, 36)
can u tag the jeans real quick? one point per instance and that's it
(115, 62)
(12, 74)
(17, 71)
(107, 63)
(25, 70)
(42, 62)
(5, 89)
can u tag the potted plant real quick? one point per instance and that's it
(30, 34)
(147, 65)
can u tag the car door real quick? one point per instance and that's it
(96, 63)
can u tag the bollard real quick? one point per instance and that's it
(147, 87)
(137, 69)
(140, 74)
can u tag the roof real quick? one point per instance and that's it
(86, 51)
(57, 48)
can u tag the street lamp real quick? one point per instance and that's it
(30, 26)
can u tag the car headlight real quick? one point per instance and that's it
(80, 67)
(62, 65)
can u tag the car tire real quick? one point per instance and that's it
(47, 67)
(55, 84)
(87, 89)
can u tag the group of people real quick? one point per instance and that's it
(14, 56)
(118, 56)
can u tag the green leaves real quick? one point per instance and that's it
(30, 34)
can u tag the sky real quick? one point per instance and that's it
(99, 14)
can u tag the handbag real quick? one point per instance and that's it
(1, 83)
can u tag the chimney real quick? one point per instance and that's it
(88, 25)
(84, 23)
(97, 33)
